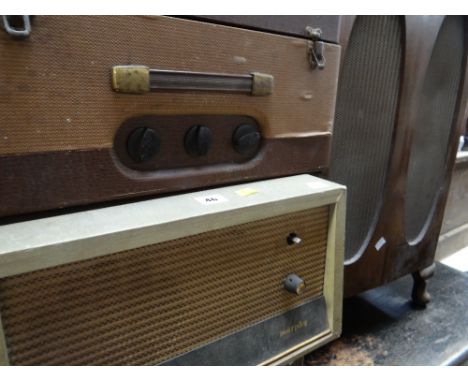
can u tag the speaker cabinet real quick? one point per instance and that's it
(247, 274)
(364, 128)
(434, 116)
(365, 120)
(400, 108)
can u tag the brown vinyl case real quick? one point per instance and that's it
(65, 133)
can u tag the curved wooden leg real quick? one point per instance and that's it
(419, 294)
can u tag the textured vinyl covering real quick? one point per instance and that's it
(55, 86)
(435, 116)
(365, 118)
(150, 304)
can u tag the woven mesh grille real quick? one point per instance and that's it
(433, 124)
(150, 304)
(365, 117)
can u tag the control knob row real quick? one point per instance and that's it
(143, 143)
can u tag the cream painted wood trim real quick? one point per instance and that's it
(296, 351)
(333, 286)
(44, 243)
(4, 361)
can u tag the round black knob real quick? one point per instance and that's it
(294, 284)
(143, 144)
(246, 139)
(198, 141)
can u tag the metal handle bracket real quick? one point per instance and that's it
(23, 32)
(316, 48)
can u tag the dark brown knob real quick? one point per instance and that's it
(143, 144)
(198, 141)
(246, 139)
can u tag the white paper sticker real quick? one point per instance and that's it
(380, 244)
(211, 199)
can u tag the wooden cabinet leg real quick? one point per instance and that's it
(420, 295)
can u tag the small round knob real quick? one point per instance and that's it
(293, 239)
(246, 139)
(143, 144)
(294, 284)
(198, 141)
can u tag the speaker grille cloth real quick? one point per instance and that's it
(150, 304)
(433, 124)
(365, 118)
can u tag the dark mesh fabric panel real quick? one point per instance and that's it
(365, 119)
(433, 125)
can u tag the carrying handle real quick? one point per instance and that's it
(138, 79)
